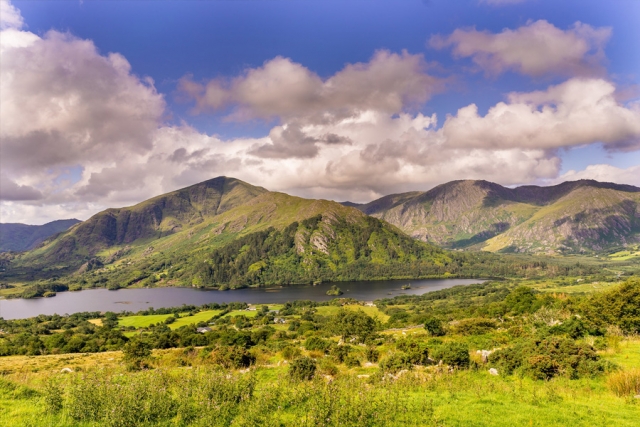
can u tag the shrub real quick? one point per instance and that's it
(618, 306)
(316, 343)
(351, 361)
(474, 326)
(549, 357)
(625, 383)
(372, 354)
(302, 368)
(434, 327)
(233, 357)
(136, 354)
(340, 352)
(395, 363)
(327, 367)
(290, 352)
(453, 354)
(416, 351)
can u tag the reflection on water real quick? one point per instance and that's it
(141, 299)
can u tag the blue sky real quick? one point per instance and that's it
(215, 45)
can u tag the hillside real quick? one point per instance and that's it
(572, 217)
(22, 237)
(227, 233)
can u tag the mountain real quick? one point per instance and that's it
(572, 217)
(22, 237)
(227, 233)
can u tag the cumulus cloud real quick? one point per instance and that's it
(10, 17)
(535, 49)
(281, 88)
(63, 103)
(605, 173)
(578, 111)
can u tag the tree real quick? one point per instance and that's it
(354, 324)
(136, 354)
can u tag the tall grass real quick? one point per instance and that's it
(625, 383)
(210, 397)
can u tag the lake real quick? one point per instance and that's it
(141, 299)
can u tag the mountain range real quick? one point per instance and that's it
(226, 233)
(22, 237)
(572, 217)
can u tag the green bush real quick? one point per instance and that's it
(434, 326)
(351, 361)
(233, 357)
(474, 326)
(549, 357)
(340, 352)
(290, 352)
(316, 344)
(372, 354)
(453, 354)
(302, 368)
(395, 363)
(136, 354)
(618, 306)
(416, 350)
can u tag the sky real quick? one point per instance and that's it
(108, 103)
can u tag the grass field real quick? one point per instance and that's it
(465, 398)
(370, 311)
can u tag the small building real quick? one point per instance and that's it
(279, 320)
(204, 330)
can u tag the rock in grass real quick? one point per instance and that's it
(493, 371)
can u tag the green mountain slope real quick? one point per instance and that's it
(570, 217)
(22, 237)
(225, 233)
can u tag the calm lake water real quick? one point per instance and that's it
(140, 299)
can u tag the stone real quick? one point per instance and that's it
(494, 371)
(66, 370)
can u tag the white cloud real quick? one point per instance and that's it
(281, 88)
(605, 173)
(535, 49)
(10, 17)
(576, 112)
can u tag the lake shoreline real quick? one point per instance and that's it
(135, 299)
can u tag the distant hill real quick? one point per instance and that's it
(22, 237)
(572, 217)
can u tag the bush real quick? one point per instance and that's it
(372, 354)
(395, 363)
(434, 327)
(316, 343)
(625, 383)
(302, 368)
(136, 354)
(619, 306)
(290, 352)
(233, 357)
(340, 352)
(474, 326)
(327, 367)
(549, 357)
(453, 354)
(416, 351)
(351, 361)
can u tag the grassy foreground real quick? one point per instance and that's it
(100, 391)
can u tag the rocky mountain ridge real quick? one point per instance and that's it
(572, 217)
